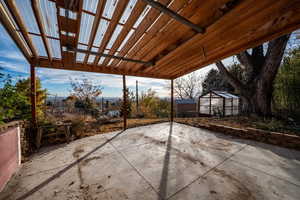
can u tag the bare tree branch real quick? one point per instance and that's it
(238, 85)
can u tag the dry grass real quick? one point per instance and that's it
(244, 122)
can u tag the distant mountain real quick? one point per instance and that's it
(57, 98)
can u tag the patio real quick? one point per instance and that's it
(162, 161)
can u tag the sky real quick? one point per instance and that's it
(57, 82)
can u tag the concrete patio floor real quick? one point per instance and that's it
(162, 161)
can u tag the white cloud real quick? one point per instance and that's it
(14, 55)
(15, 66)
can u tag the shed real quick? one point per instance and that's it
(185, 107)
(220, 103)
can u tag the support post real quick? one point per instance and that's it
(224, 99)
(124, 103)
(172, 101)
(33, 96)
(137, 97)
(210, 104)
(231, 106)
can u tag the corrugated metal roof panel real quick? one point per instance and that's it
(26, 12)
(48, 10)
(85, 27)
(90, 5)
(127, 11)
(103, 25)
(38, 43)
(114, 36)
(55, 47)
(109, 8)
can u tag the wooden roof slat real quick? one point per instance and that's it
(57, 64)
(13, 9)
(174, 30)
(228, 25)
(112, 25)
(38, 17)
(156, 28)
(96, 23)
(175, 15)
(233, 34)
(59, 31)
(151, 16)
(4, 19)
(136, 12)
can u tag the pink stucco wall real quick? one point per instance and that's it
(9, 154)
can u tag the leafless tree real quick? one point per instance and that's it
(188, 87)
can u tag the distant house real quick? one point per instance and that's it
(113, 113)
(185, 107)
(219, 103)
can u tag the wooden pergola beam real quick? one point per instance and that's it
(124, 103)
(58, 64)
(33, 95)
(151, 16)
(174, 15)
(136, 12)
(112, 25)
(96, 23)
(9, 27)
(41, 26)
(19, 21)
(110, 56)
(172, 101)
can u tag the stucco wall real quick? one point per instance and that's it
(10, 154)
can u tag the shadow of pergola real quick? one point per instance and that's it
(64, 170)
(165, 171)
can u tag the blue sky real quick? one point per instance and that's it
(57, 82)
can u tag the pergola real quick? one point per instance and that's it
(159, 39)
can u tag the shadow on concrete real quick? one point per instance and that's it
(61, 172)
(165, 171)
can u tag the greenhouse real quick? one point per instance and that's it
(219, 103)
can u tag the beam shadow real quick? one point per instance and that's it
(165, 171)
(61, 172)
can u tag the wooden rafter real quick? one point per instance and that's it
(19, 21)
(151, 16)
(58, 64)
(112, 25)
(161, 23)
(176, 30)
(41, 26)
(96, 23)
(136, 12)
(223, 47)
(175, 15)
(8, 25)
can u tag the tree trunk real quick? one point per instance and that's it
(256, 91)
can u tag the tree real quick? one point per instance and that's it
(86, 93)
(85, 89)
(286, 94)
(215, 81)
(15, 100)
(23, 87)
(188, 87)
(129, 101)
(260, 71)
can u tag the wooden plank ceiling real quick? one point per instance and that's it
(74, 34)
